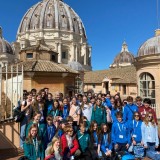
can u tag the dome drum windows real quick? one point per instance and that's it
(54, 57)
(64, 55)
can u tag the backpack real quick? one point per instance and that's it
(18, 114)
(138, 151)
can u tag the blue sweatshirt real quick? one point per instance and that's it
(129, 111)
(95, 138)
(108, 102)
(121, 133)
(135, 128)
(113, 114)
(105, 144)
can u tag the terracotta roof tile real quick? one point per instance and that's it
(42, 66)
(117, 75)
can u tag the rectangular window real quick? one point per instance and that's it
(53, 57)
(124, 89)
(29, 55)
(63, 55)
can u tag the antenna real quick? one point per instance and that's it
(158, 13)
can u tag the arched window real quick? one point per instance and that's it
(147, 86)
(78, 85)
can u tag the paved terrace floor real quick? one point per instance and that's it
(16, 154)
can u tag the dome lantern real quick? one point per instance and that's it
(157, 32)
(124, 58)
(124, 47)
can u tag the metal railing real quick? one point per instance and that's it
(11, 88)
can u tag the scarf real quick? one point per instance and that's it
(69, 141)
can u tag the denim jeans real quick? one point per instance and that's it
(23, 125)
(151, 153)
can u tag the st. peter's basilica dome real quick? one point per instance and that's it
(56, 26)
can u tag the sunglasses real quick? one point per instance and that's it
(150, 116)
(136, 115)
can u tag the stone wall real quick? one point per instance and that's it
(54, 81)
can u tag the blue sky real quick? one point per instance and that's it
(107, 22)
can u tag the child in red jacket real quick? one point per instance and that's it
(70, 146)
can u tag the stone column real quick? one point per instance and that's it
(56, 47)
(59, 52)
(76, 53)
(85, 54)
(72, 53)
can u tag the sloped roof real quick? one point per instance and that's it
(40, 47)
(117, 75)
(42, 66)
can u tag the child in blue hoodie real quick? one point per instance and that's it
(108, 102)
(129, 109)
(117, 108)
(135, 128)
(121, 137)
(136, 136)
(105, 141)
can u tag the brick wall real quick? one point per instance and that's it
(36, 55)
(54, 81)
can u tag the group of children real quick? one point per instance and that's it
(87, 127)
